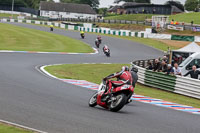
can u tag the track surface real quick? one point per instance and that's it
(29, 98)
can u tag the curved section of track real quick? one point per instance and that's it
(34, 100)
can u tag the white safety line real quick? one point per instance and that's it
(21, 126)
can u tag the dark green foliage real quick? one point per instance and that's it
(92, 3)
(138, 1)
(191, 5)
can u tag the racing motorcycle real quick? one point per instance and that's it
(82, 35)
(51, 28)
(113, 100)
(107, 52)
(97, 43)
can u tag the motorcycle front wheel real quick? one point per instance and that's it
(118, 102)
(93, 100)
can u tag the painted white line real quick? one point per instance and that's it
(21, 126)
(42, 70)
(58, 53)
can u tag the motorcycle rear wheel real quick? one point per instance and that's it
(93, 100)
(119, 103)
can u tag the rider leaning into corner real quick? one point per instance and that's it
(99, 38)
(123, 77)
(105, 47)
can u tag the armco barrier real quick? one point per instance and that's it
(177, 84)
(160, 80)
(188, 86)
(109, 31)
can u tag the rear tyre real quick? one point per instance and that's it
(93, 100)
(119, 103)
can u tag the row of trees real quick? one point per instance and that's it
(92, 3)
(25, 3)
(190, 5)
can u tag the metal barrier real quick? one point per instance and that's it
(177, 84)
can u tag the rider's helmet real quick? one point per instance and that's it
(105, 46)
(125, 68)
(134, 69)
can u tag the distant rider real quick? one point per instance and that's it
(82, 33)
(105, 48)
(99, 38)
(51, 27)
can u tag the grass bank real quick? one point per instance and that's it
(11, 129)
(183, 17)
(8, 15)
(24, 39)
(95, 72)
(130, 17)
(186, 17)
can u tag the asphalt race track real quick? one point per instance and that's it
(32, 99)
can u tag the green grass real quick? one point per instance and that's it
(130, 17)
(24, 39)
(183, 17)
(7, 15)
(186, 17)
(11, 129)
(150, 42)
(95, 72)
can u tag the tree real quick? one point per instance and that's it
(175, 3)
(138, 1)
(24, 3)
(93, 3)
(191, 5)
(103, 11)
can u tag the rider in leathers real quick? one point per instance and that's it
(123, 77)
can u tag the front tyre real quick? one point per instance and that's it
(93, 100)
(118, 102)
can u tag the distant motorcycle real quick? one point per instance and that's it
(51, 28)
(114, 99)
(97, 43)
(82, 35)
(106, 51)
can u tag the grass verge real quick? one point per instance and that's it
(8, 15)
(183, 17)
(130, 17)
(95, 72)
(4, 128)
(24, 39)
